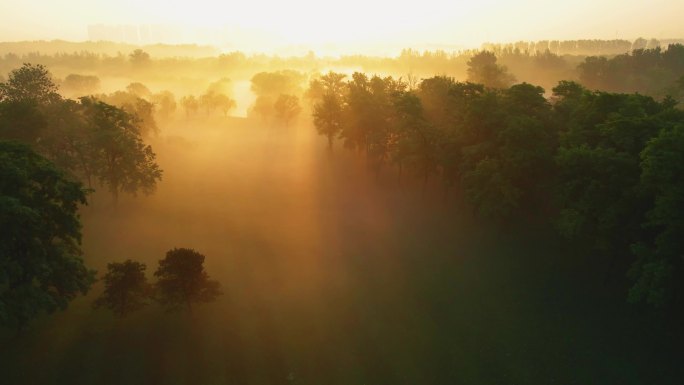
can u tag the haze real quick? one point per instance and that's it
(341, 193)
(355, 26)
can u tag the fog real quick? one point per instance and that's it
(371, 258)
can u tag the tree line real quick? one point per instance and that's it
(542, 62)
(606, 170)
(655, 72)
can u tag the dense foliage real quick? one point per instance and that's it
(182, 280)
(126, 288)
(603, 168)
(89, 139)
(41, 269)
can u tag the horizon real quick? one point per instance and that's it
(380, 28)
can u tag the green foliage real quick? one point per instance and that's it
(41, 269)
(126, 288)
(658, 269)
(604, 168)
(182, 280)
(125, 163)
(22, 121)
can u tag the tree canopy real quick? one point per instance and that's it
(29, 83)
(41, 269)
(182, 280)
(126, 288)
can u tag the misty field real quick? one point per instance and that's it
(333, 276)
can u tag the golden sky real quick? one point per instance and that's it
(350, 24)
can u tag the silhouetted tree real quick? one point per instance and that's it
(126, 288)
(190, 105)
(81, 85)
(138, 89)
(327, 117)
(30, 83)
(213, 101)
(125, 163)
(182, 280)
(286, 108)
(165, 103)
(141, 110)
(40, 256)
(139, 58)
(483, 69)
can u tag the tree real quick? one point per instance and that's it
(275, 83)
(212, 101)
(141, 110)
(81, 85)
(165, 102)
(189, 104)
(482, 69)
(125, 162)
(268, 86)
(286, 108)
(182, 280)
(30, 83)
(327, 116)
(126, 288)
(138, 89)
(330, 83)
(221, 86)
(41, 269)
(139, 58)
(22, 121)
(659, 268)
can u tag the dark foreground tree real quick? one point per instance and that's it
(41, 269)
(182, 280)
(126, 288)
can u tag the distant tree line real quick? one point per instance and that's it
(605, 169)
(583, 47)
(655, 72)
(541, 62)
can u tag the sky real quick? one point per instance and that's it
(351, 25)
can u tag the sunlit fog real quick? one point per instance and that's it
(355, 193)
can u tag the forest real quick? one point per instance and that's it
(513, 214)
